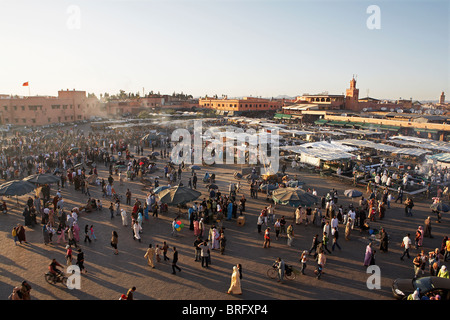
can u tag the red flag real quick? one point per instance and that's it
(25, 84)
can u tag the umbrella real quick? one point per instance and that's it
(195, 167)
(352, 193)
(269, 186)
(160, 188)
(212, 186)
(42, 178)
(294, 197)
(440, 206)
(178, 195)
(155, 154)
(16, 188)
(74, 149)
(237, 175)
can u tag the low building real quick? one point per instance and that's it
(68, 106)
(241, 105)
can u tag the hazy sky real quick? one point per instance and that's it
(233, 47)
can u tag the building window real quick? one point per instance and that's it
(23, 108)
(49, 120)
(33, 120)
(24, 120)
(15, 107)
(6, 108)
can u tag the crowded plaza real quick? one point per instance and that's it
(112, 203)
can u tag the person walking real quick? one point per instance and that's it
(335, 233)
(290, 235)
(136, 231)
(427, 230)
(80, 261)
(348, 229)
(321, 260)
(266, 238)
(314, 244)
(69, 255)
(368, 255)
(303, 260)
(406, 244)
(87, 234)
(123, 213)
(111, 210)
(175, 261)
(384, 240)
(114, 242)
(277, 227)
(325, 242)
(150, 256)
(165, 248)
(235, 286)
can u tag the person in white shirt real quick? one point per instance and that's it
(406, 244)
(334, 222)
(352, 215)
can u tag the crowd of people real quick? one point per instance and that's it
(75, 157)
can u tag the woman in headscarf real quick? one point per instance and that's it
(45, 234)
(21, 234)
(368, 255)
(196, 228)
(427, 231)
(150, 256)
(443, 272)
(384, 240)
(348, 229)
(235, 286)
(419, 237)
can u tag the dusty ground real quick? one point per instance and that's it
(109, 275)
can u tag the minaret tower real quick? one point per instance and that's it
(352, 96)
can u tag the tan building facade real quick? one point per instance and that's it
(246, 104)
(68, 106)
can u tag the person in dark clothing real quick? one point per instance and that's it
(175, 260)
(194, 181)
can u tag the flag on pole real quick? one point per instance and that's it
(25, 84)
